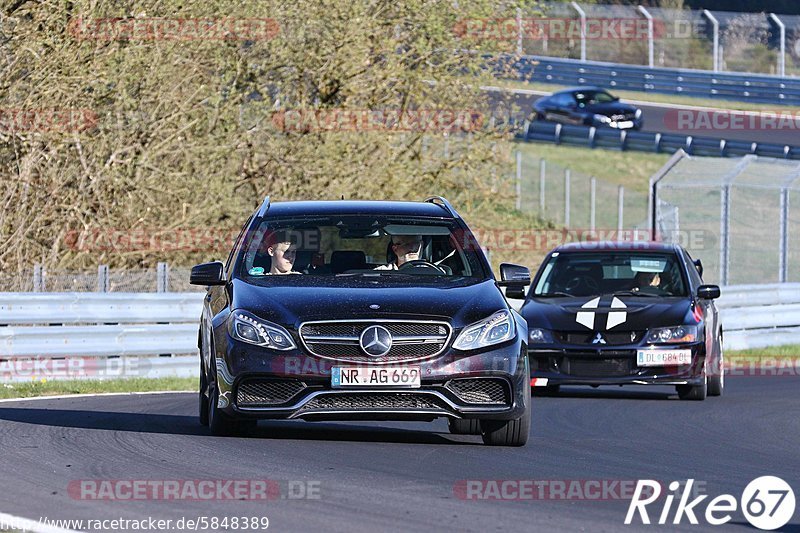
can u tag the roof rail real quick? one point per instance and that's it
(442, 201)
(264, 207)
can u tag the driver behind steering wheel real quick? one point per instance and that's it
(405, 248)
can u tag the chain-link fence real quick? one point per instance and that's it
(662, 37)
(592, 207)
(164, 278)
(733, 214)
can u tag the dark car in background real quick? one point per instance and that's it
(623, 313)
(587, 106)
(346, 332)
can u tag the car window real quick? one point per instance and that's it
(597, 273)
(235, 247)
(563, 100)
(360, 245)
(593, 97)
(694, 275)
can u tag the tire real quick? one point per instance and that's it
(464, 427)
(203, 407)
(508, 432)
(693, 392)
(716, 382)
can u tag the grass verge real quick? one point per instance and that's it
(630, 169)
(55, 388)
(789, 350)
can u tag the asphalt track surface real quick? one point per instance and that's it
(384, 476)
(665, 119)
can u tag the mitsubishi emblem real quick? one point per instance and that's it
(598, 339)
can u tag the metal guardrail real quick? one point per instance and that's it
(99, 307)
(641, 141)
(752, 315)
(700, 83)
(758, 316)
(759, 295)
(98, 335)
(86, 341)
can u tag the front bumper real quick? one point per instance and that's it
(611, 366)
(248, 377)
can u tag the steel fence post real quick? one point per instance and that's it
(592, 202)
(38, 278)
(103, 283)
(782, 54)
(715, 48)
(566, 197)
(650, 35)
(582, 15)
(162, 277)
(783, 274)
(519, 180)
(724, 234)
(542, 179)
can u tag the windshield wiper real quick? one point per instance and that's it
(551, 294)
(635, 293)
(375, 273)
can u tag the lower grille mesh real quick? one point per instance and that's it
(483, 391)
(263, 392)
(372, 401)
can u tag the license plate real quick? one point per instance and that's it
(663, 357)
(389, 376)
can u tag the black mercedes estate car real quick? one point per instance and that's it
(587, 106)
(619, 313)
(362, 310)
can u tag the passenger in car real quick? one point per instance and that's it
(644, 280)
(282, 253)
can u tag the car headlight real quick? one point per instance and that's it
(672, 334)
(248, 328)
(493, 330)
(638, 113)
(602, 118)
(540, 336)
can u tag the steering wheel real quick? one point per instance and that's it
(582, 281)
(422, 264)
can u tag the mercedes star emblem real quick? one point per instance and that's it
(376, 341)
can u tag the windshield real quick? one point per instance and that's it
(592, 274)
(348, 246)
(593, 97)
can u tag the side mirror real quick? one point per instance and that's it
(708, 292)
(699, 265)
(208, 274)
(515, 278)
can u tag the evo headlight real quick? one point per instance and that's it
(248, 328)
(671, 335)
(493, 330)
(602, 119)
